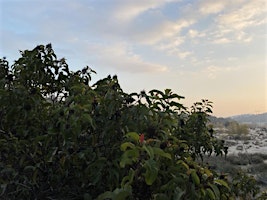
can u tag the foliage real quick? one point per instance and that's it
(62, 138)
(235, 128)
(243, 185)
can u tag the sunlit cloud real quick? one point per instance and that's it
(128, 10)
(222, 41)
(213, 71)
(235, 24)
(251, 13)
(211, 7)
(167, 32)
(121, 58)
(195, 34)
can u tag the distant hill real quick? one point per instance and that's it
(251, 118)
(219, 120)
(259, 119)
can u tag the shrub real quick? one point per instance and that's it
(62, 138)
(234, 128)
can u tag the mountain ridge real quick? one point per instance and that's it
(251, 118)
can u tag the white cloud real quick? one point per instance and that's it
(120, 57)
(167, 32)
(184, 54)
(164, 36)
(195, 33)
(128, 10)
(243, 36)
(222, 40)
(251, 13)
(211, 6)
(229, 21)
(213, 71)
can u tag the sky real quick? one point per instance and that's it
(201, 49)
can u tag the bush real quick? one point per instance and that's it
(62, 138)
(234, 128)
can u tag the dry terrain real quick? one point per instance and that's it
(247, 152)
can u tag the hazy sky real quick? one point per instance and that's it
(201, 49)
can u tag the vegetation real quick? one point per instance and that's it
(234, 128)
(62, 138)
(236, 166)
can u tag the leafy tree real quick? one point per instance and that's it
(62, 138)
(235, 128)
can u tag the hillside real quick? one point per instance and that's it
(251, 118)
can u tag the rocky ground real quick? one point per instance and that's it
(246, 152)
(254, 142)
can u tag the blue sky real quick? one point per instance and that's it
(201, 49)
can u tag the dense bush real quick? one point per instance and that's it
(62, 138)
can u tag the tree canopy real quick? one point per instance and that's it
(62, 137)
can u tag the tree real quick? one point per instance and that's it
(62, 138)
(234, 128)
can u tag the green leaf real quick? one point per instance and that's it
(121, 193)
(29, 168)
(106, 195)
(178, 194)
(222, 182)
(178, 105)
(210, 194)
(195, 177)
(133, 135)
(149, 150)
(182, 163)
(208, 172)
(216, 190)
(160, 152)
(128, 157)
(151, 173)
(127, 180)
(125, 145)
(117, 194)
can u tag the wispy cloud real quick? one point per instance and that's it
(235, 24)
(229, 21)
(121, 58)
(207, 7)
(251, 13)
(222, 40)
(126, 11)
(192, 33)
(213, 71)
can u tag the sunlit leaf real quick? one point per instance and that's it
(133, 135)
(126, 145)
(222, 182)
(160, 152)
